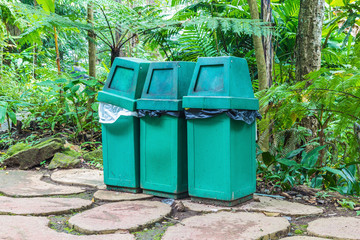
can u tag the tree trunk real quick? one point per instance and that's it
(91, 42)
(57, 52)
(92, 58)
(266, 16)
(259, 51)
(262, 75)
(308, 39)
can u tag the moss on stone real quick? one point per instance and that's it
(71, 153)
(58, 141)
(17, 148)
(61, 160)
(94, 156)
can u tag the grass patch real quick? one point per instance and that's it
(155, 232)
(61, 224)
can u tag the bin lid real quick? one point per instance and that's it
(221, 82)
(165, 85)
(125, 82)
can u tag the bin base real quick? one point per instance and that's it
(123, 189)
(223, 203)
(166, 195)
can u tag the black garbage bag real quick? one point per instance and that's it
(159, 113)
(248, 116)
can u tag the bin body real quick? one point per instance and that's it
(121, 154)
(221, 151)
(221, 160)
(121, 139)
(163, 158)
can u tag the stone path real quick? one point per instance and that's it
(29, 228)
(41, 206)
(262, 218)
(112, 217)
(29, 184)
(112, 196)
(82, 177)
(227, 225)
(267, 204)
(303, 238)
(343, 228)
(197, 207)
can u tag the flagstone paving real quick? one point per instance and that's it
(267, 204)
(343, 228)
(111, 217)
(36, 228)
(303, 238)
(128, 214)
(198, 207)
(29, 184)
(83, 177)
(41, 205)
(228, 225)
(113, 196)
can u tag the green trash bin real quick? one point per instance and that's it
(221, 150)
(163, 155)
(120, 125)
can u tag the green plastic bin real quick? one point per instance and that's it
(121, 139)
(163, 154)
(221, 151)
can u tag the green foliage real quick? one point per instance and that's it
(330, 99)
(47, 5)
(345, 203)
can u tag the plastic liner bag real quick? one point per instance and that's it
(159, 113)
(109, 113)
(248, 116)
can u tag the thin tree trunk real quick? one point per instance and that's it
(34, 61)
(1, 60)
(259, 50)
(34, 52)
(91, 42)
(308, 39)
(92, 57)
(57, 51)
(266, 16)
(262, 75)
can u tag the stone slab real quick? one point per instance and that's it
(29, 184)
(28, 228)
(303, 238)
(344, 228)
(199, 207)
(112, 217)
(81, 177)
(114, 196)
(41, 206)
(229, 225)
(267, 204)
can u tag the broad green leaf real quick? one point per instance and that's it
(339, 3)
(267, 158)
(287, 162)
(294, 153)
(12, 117)
(47, 5)
(311, 157)
(3, 108)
